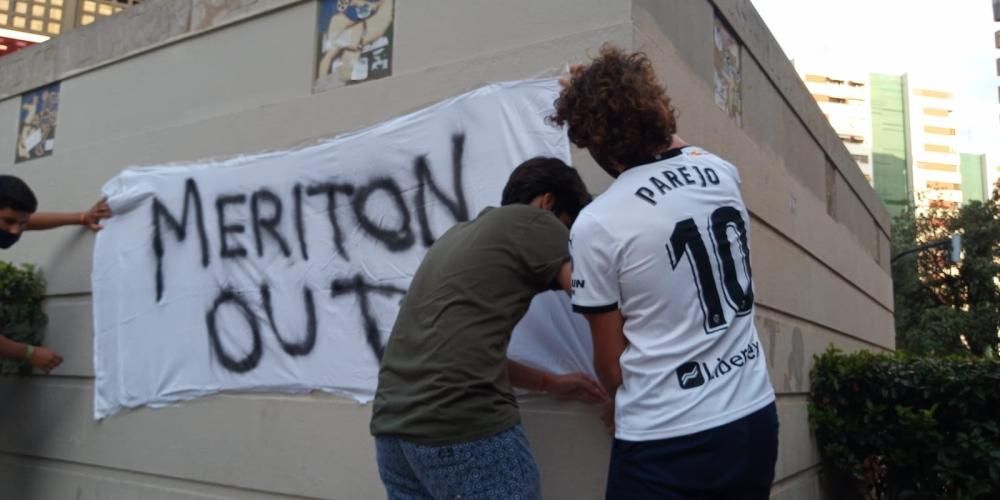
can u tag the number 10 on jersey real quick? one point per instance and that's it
(687, 241)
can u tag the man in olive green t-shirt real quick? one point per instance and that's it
(445, 419)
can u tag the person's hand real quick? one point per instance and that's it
(44, 359)
(576, 386)
(575, 70)
(92, 218)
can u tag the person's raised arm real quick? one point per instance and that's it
(91, 218)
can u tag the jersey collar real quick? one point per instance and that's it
(670, 153)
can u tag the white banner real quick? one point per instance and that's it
(284, 271)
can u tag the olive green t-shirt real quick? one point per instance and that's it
(443, 378)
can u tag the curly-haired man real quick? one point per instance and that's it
(661, 270)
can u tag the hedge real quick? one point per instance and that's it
(22, 289)
(894, 426)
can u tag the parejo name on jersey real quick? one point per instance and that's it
(676, 177)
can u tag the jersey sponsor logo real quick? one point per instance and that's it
(696, 373)
(578, 283)
(689, 375)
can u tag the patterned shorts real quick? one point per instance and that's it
(499, 467)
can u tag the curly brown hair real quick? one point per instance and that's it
(616, 108)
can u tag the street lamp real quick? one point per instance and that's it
(954, 244)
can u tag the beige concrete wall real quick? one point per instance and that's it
(179, 80)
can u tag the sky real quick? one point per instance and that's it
(949, 42)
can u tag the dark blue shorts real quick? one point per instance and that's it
(734, 461)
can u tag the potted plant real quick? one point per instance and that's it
(22, 289)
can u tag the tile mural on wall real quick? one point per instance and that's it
(37, 124)
(355, 40)
(727, 73)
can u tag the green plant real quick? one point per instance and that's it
(944, 308)
(22, 289)
(899, 426)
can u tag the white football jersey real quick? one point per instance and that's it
(668, 244)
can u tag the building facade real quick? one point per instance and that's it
(934, 160)
(902, 132)
(890, 150)
(26, 22)
(845, 99)
(150, 89)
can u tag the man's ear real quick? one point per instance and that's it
(548, 201)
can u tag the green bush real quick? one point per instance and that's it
(22, 290)
(895, 426)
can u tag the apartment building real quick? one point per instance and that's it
(902, 133)
(844, 98)
(934, 161)
(27, 22)
(890, 147)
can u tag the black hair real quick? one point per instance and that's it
(15, 194)
(541, 175)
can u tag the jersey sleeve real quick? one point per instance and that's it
(595, 268)
(544, 248)
(735, 172)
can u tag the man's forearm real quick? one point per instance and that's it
(49, 220)
(576, 386)
(563, 279)
(609, 372)
(607, 331)
(525, 377)
(10, 349)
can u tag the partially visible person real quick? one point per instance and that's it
(661, 271)
(445, 420)
(18, 207)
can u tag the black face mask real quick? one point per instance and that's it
(7, 240)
